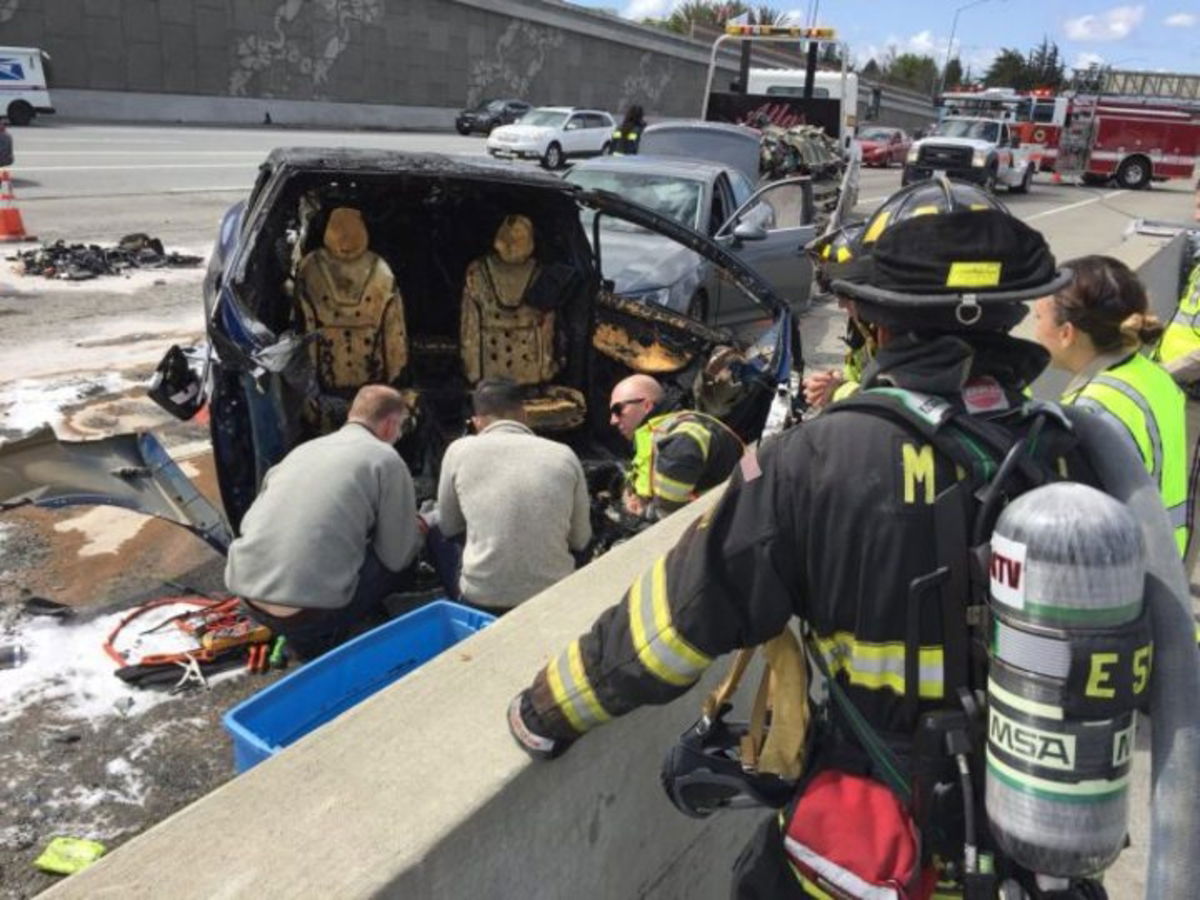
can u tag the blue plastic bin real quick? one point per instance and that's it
(323, 689)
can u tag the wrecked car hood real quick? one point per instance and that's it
(132, 471)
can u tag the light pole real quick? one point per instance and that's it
(950, 43)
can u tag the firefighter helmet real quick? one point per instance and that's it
(945, 255)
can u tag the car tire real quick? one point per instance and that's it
(1134, 174)
(606, 149)
(20, 113)
(553, 157)
(989, 180)
(462, 129)
(1026, 181)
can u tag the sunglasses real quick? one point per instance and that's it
(619, 407)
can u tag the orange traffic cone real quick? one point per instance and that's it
(12, 229)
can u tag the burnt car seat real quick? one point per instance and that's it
(347, 299)
(505, 331)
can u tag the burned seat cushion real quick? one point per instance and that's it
(347, 299)
(501, 335)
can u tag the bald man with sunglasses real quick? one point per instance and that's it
(677, 454)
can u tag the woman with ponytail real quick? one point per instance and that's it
(1095, 328)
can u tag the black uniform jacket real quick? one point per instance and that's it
(831, 521)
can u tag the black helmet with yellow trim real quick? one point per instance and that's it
(945, 255)
(835, 253)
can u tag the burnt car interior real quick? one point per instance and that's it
(550, 324)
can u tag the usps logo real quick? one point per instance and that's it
(11, 70)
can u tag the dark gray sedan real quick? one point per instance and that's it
(766, 228)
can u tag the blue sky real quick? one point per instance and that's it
(1153, 36)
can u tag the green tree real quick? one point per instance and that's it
(871, 70)
(913, 71)
(714, 15)
(1008, 69)
(954, 74)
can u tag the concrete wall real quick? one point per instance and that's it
(359, 63)
(421, 792)
(409, 53)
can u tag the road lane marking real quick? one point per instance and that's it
(1069, 206)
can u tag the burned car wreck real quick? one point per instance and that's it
(427, 272)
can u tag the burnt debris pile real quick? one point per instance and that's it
(79, 262)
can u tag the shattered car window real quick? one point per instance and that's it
(677, 198)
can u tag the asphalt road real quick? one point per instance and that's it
(94, 182)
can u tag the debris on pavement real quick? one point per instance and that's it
(80, 262)
(68, 855)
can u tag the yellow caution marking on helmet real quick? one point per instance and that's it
(825, 251)
(659, 647)
(843, 254)
(928, 210)
(877, 225)
(973, 274)
(976, 207)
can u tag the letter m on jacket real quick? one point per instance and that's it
(919, 468)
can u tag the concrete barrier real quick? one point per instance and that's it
(421, 792)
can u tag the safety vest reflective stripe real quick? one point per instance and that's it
(877, 666)
(1153, 453)
(573, 692)
(1147, 402)
(1183, 332)
(659, 647)
(670, 489)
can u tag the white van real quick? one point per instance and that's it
(826, 86)
(23, 91)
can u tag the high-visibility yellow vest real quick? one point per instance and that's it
(1146, 400)
(1183, 333)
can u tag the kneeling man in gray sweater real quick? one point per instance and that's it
(521, 499)
(333, 525)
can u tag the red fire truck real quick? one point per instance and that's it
(1132, 127)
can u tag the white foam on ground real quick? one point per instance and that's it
(67, 670)
(105, 529)
(26, 404)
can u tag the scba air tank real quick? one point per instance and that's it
(1070, 659)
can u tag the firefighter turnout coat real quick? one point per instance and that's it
(678, 456)
(831, 521)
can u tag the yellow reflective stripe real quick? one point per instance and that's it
(671, 489)
(881, 665)
(572, 690)
(559, 692)
(927, 210)
(696, 432)
(877, 226)
(659, 647)
(597, 714)
(843, 254)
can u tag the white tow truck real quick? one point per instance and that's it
(985, 151)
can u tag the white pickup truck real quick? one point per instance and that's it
(985, 151)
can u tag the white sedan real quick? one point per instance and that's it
(553, 134)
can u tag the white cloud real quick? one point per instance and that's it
(1086, 59)
(647, 9)
(1114, 24)
(922, 43)
(1181, 20)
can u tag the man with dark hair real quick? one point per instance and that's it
(521, 500)
(331, 530)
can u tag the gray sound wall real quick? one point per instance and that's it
(395, 53)
(386, 63)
